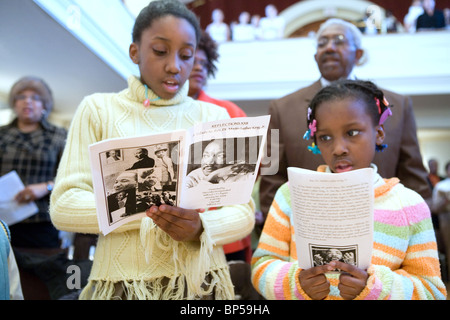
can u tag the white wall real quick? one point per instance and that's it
(435, 144)
(412, 64)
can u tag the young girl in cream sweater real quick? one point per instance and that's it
(174, 253)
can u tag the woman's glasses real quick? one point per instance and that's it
(33, 98)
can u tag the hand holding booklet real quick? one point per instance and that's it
(12, 212)
(211, 164)
(333, 216)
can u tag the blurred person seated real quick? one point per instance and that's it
(410, 19)
(218, 29)
(447, 17)
(368, 24)
(244, 30)
(432, 18)
(272, 26)
(391, 23)
(254, 20)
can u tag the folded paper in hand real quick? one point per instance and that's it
(11, 212)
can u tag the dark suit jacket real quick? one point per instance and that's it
(145, 162)
(130, 204)
(401, 159)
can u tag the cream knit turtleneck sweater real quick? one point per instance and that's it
(139, 254)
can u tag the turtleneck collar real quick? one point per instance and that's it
(136, 92)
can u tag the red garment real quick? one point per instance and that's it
(234, 111)
(434, 178)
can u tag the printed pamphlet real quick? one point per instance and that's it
(333, 216)
(212, 164)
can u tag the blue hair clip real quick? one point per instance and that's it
(314, 149)
(381, 147)
(307, 135)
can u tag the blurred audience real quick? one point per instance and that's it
(272, 25)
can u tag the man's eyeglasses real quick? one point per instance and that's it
(337, 40)
(33, 98)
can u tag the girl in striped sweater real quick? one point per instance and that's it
(346, 123)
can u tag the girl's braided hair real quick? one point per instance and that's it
(376, 104)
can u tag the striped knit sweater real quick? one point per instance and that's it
(404, 265)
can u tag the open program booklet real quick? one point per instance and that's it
(209, 165)
(332, 216)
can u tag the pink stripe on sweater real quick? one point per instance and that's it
(415, 213)
(375, 291)
(278, 286)
(298, 295)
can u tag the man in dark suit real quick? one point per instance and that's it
(144, 161)
(338, 51)
(431, 18)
